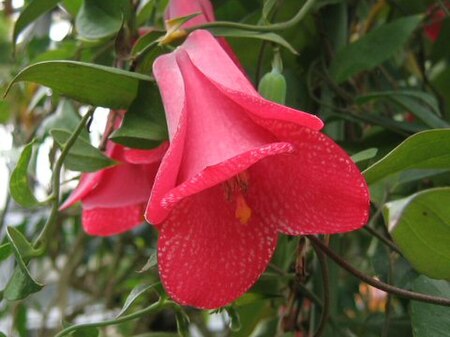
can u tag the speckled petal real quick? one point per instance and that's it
(206, 257)
(317, 189)
(111, 221)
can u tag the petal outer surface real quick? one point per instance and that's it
(206, 257)
(316, 190)
(153, 156)
(112, 221)
(88, 182)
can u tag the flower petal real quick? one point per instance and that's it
(318, 189)
(178, 8)
(207, 258)
(111, 221)
(153, 156)
(88, 182)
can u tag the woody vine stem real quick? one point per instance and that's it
(376, 283)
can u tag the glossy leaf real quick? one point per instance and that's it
(19, 184)
(422, 105)
(82, 155)
(20, 244)
(424, 150)
(373, 48)
(34, 10)
(85, 82)
(271, 37)
(5, 251)
(133, 296)
(430, 320)
(364, 155)
(97, 20)
(420, 226)
(144, 125)
(21, 284)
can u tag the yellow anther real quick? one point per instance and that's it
(243, 211)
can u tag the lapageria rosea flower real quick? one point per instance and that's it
(239, 170)
(113, 199)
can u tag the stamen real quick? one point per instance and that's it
(236, 188)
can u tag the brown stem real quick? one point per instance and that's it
(376, 283)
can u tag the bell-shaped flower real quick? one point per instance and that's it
(179, 8)
(239, 170)
(113, 199)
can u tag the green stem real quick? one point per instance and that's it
(267, 28)
(376, 283)
(326, 290)
(41, 239)
(155, 307)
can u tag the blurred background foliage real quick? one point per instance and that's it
(376, 71)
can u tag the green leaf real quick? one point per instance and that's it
(430, 320)
(235, 320)
(420, 226)
(5, 111)
(5, 251)
(72, 6)
(19, 184)
(267, 8)
(85, 332)
(21, 283)
(65, 118)
(97, 20)
(365, 155)
(2, 334)
(88, 83)
(422, 105)
(373, 49)
(34, 10)
(144, 124)
(133, 296)
(151, 262)
(235, 32)
(182, 323)
(424, 150)
(20, 244)
(82, 155)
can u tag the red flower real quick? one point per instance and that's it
(114, 198)
(436, 17)
(239, 170)
(179, 8)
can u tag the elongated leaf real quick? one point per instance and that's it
(364, 155)
(144, 125)
(424, 150)
(99, 19)
(430, 320)
(35, 9)
(21, 284)
(19, 184)
(5, 251)
(85, 82)
(82, 155)
(133, 296)
(422, 105)
(272, 37)
(420, 226)
(20, 244)
(373, 49)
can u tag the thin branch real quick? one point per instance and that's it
(326, 290)
(56, 178)
(266, 28)
(155, 307)
(376, 283)
(383, 239)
